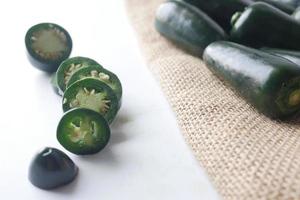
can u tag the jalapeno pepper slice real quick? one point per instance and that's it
(71, 65)
(83, 131)
(92, 94)
(51, 168)
(103, 75)
(47, 46)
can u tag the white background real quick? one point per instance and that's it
(146, 158)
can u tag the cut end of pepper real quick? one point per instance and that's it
(48, 45)
(289, 97)
(294, 98)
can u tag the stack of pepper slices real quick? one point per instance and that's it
(254, 46)
(91, 99)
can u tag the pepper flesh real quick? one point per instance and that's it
(266, 81)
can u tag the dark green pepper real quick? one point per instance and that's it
(92, 94)
(220, 10)
(101, 74)
(296, 14)
(293, 56)
(51, 168)
(71, 65)
(83, 131)
(293, 3)
(47, 46)
(270, 83)
(287, 8)
(187, 26)
(54, 85)
(262, 25)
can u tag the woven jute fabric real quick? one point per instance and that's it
(245, 154)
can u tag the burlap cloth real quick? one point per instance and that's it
(246, 155)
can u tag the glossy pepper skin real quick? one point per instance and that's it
(294, 3)
(296, 14)
(270, 83)
(291, 3)
(220, 10)
(187, 26)
(262, 25)
(55, 87)
(281, 5)
(51, 168)
(293, 56)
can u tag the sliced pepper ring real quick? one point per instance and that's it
(71, 65)
(101, 74)
(47, 46)
(83, 131)
(92, 94)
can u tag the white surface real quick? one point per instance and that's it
(147, 157)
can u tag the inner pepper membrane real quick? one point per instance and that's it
(288, 98)
(91, 99)
(49, 43)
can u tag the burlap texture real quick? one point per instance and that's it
(246, 155)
